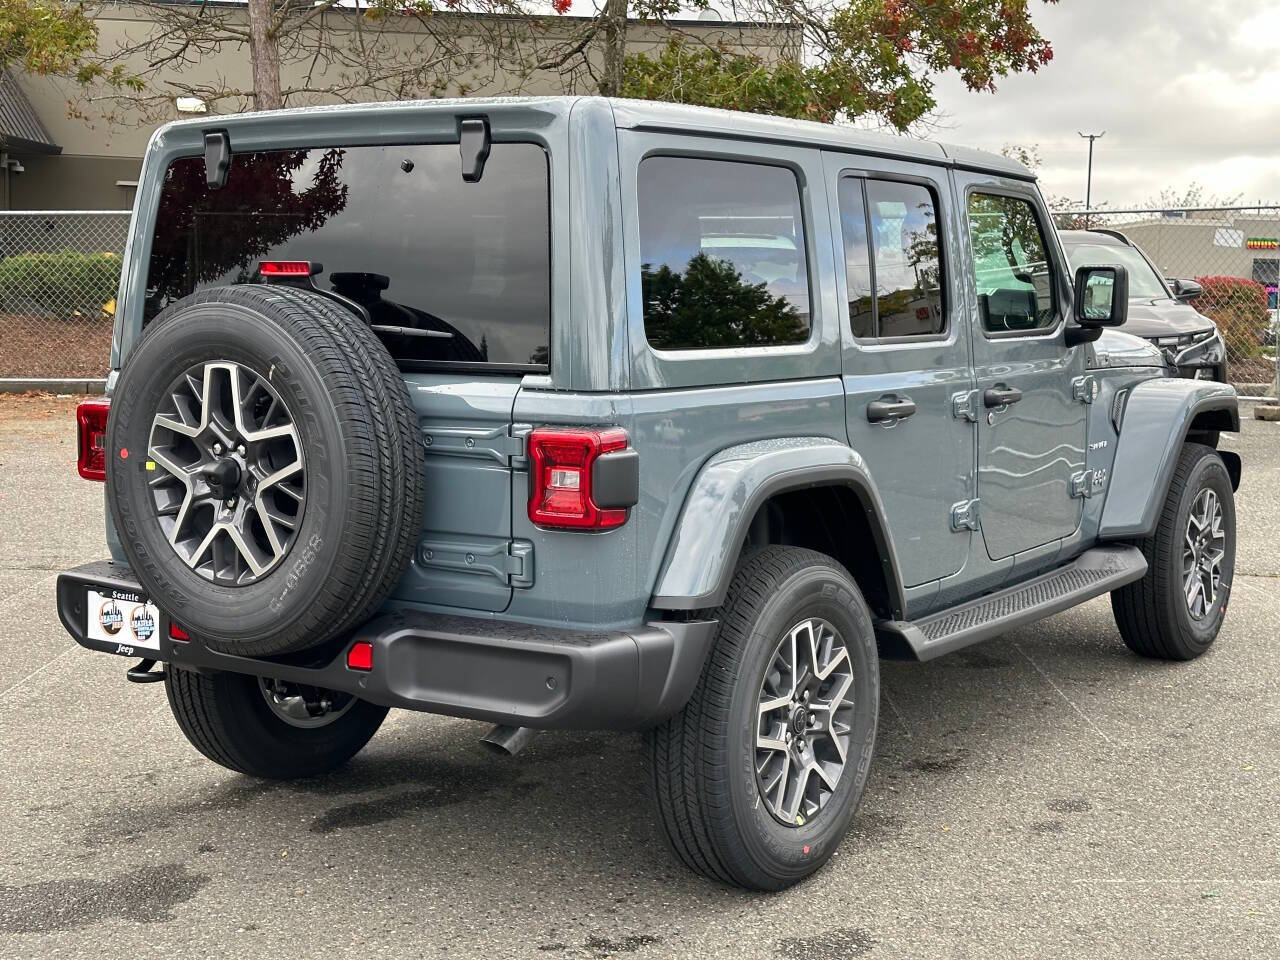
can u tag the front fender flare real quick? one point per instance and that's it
(1157, 416)
(727, 493)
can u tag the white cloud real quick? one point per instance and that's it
(1189, 93)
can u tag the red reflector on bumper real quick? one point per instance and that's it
(177, 633)
(360, 656)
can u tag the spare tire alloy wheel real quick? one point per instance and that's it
(265, 469)
(231, 485)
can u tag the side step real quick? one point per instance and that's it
(1089, 575)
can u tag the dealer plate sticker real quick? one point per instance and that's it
(128, 620)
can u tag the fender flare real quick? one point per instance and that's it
(1157, 417)
(725, 497)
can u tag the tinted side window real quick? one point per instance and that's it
(396, 230)
(857, 257)
(908, 263)
(1010, 265)
(722, 254)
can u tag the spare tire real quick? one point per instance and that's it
(264, 468)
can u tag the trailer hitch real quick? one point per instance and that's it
(142, 672)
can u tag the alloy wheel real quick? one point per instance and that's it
(226, 472)
(805, 720)
(1202, 553)
(300, 705)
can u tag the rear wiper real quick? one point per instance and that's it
(411, 332)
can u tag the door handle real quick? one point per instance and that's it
(1000, 396)
(890, 409)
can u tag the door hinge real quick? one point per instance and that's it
(507, 444)
(520, 563)
(1085, 389)
(964, 516)
(1082, 484)
(510, 562)
(964, 406)
(518, 444)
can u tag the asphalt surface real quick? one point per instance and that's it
(1045, 794)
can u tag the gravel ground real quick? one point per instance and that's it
(1042, 795)
(54, 346)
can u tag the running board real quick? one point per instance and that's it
(1089, 575)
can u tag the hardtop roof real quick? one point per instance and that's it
(653, 115)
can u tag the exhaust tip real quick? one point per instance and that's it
(507, 741)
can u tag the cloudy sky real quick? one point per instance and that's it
(1185, 89)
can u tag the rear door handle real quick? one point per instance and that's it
(890, 409)
(1000, 396)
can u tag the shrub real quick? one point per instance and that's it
(59, 283)
(1239, 308)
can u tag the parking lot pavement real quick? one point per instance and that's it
(1043, 795)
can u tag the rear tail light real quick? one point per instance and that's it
(91, 438)
(562, 477)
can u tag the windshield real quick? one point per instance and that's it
(1144, 282)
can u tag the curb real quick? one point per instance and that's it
(52, 385)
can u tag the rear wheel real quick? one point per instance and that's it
(268, 728)
(756, 781)
(1177, 609)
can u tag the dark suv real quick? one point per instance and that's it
(580, 413)
(1160, 314)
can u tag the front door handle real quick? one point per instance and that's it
(890, 409)
(1000, 396)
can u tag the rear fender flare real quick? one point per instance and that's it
(1158, 415)
(729, 491)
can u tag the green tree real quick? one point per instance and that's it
(709, 304)
(875, 58)
(833, 59)
(45, 36)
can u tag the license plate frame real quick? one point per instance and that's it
(123, 622)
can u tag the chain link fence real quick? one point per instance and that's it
(1232, 254)
(59, 271)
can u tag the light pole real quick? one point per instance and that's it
(1088, 183)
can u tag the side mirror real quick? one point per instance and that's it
(1102, 296)
(1184, 290)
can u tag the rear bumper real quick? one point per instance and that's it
(484, 669)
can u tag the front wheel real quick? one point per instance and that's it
(1177, 609)
(756, 781)
(268, 728)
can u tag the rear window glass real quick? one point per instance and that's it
(396, 229)
(722, 254)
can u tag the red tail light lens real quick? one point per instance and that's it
(560, 492)
(286, 268)
(91, 438)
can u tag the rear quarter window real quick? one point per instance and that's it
(396, 230)
(722, 254)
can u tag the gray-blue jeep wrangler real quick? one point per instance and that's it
(579, 413)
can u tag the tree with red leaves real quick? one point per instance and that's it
(818, 59)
